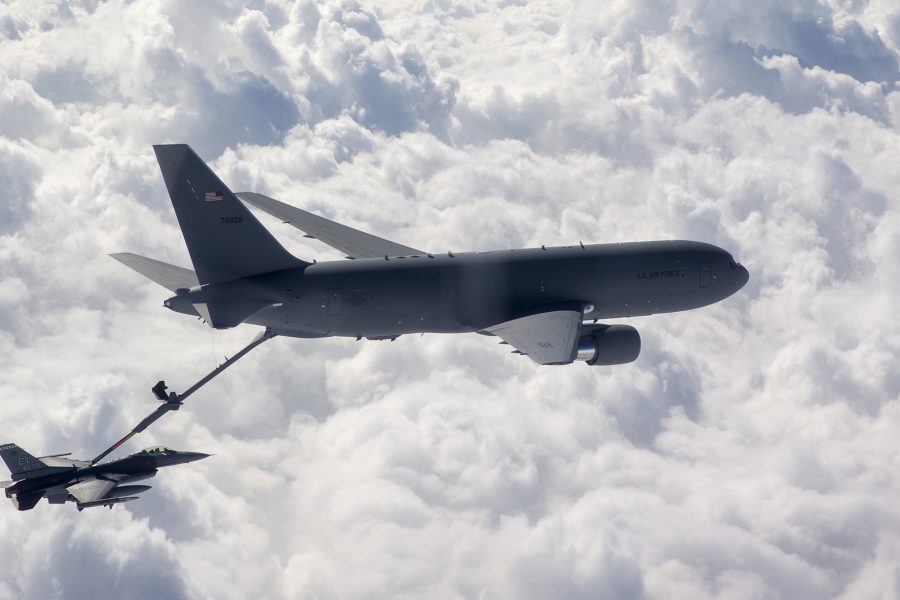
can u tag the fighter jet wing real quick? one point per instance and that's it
(90, 489)
(352, 242)
(547, 338)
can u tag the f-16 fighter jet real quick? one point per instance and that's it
(544, 302)
(63, 480)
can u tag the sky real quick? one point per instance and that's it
(750, 452)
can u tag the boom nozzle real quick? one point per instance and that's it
(159, 390)
(172, 400)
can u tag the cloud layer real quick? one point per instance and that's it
(749, 452)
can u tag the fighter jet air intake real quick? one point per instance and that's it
(544, 302)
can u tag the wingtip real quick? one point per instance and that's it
(173, 152)
(170, 146)
(123, 257)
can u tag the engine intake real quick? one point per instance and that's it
(605, 345)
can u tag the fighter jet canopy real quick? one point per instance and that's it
(155, 450)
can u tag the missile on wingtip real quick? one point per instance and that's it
(105, 502)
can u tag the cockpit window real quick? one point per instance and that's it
(154, 450)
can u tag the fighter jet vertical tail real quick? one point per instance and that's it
(224, 239)
(18, 461)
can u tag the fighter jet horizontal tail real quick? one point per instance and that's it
(27, 501)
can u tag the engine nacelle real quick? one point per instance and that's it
(604, 345)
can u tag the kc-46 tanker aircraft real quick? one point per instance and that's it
(544, 302)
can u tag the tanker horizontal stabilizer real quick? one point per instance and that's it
(169, 276)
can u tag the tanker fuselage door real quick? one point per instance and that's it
(704, 275)
(335, 302)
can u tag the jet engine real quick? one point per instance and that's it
(602, 345)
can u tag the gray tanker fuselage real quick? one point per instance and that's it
(469, 291)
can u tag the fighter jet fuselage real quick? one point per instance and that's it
(63, 480)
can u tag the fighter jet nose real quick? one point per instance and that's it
(192, 456)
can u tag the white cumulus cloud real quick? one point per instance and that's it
(750, 452)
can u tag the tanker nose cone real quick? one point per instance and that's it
(741, 277)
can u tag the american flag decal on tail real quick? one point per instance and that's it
(212, 196)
